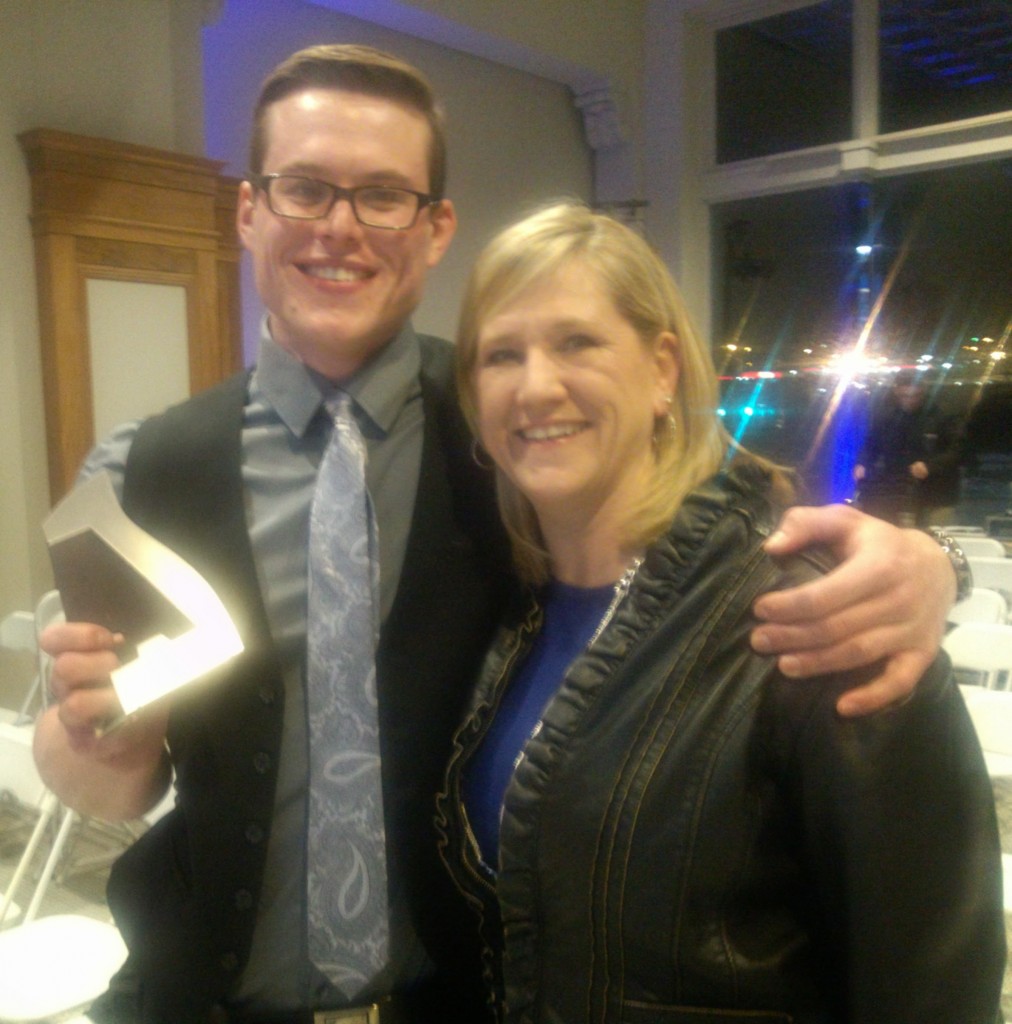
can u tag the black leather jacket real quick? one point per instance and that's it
(691, 837)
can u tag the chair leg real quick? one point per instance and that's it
(47, 811)
(50, 866)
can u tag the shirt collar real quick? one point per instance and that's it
(380, 388)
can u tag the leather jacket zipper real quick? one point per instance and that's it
(473, 862)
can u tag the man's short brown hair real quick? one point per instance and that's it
(355, 69)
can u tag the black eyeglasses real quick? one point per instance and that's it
(375, 206)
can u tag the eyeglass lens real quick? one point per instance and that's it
(378, 206)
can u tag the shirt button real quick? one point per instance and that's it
(262, 763)
(267, 695)
(254, 834)
(243, 899)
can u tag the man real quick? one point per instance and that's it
(908, 469)
(212, 901)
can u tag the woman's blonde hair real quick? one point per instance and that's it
(690, 445)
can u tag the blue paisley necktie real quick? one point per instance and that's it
(348, 923)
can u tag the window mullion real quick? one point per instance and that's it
(865, 70)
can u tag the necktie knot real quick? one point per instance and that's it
(339, 406)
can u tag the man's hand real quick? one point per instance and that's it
(888, 599)
(84, 656)
(113, 775)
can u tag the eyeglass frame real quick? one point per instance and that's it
(339, 192)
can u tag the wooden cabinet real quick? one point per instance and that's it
(107, 211)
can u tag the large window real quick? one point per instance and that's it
(838, 287)
(943, 61)
(861, 201)
(783, 82)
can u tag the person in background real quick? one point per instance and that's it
(344, 212)
(908, 470)
(651, 822)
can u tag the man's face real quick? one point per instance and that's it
(909, 396)
(337, 291)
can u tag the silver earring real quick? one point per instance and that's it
(476, 453)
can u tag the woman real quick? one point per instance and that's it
(651, 822)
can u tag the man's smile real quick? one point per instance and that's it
(346, 275)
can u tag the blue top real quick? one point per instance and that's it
(571, 614)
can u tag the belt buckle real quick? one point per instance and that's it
(352, 1015)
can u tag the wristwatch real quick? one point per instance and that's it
(958, 561)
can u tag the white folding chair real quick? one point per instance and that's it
(49, 814)
(981, 654)
(17, 633)
(982, 605)
(19, 778)
(965, 530)
(56, 966)
(27, 801)
(20, 631)
(47, 611)
(991, 714)
(50, 966)
(993, 573)
(982, 547)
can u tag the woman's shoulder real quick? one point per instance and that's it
(722, 525)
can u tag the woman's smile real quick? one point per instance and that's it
(550, 432)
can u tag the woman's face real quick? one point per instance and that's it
(567, 395)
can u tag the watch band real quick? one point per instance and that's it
(958, 561)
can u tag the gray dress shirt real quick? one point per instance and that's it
(284, 434)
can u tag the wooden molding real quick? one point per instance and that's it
(104, 209)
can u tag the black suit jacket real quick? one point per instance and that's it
(185, 895)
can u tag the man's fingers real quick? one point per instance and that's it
(851, 597)
(83, 654)
(81, 671)
(854, 652)
(85, 710)
(892, 685)
(898, 575)
(840, 644)
(61, 637)
(844, 586)
(803, 525)
(886, 602)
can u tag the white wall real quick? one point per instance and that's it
(95, 67)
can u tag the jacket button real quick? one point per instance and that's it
(254, 833)
(262, 763)
(229, 962)
(243, 899)
(267, 695)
